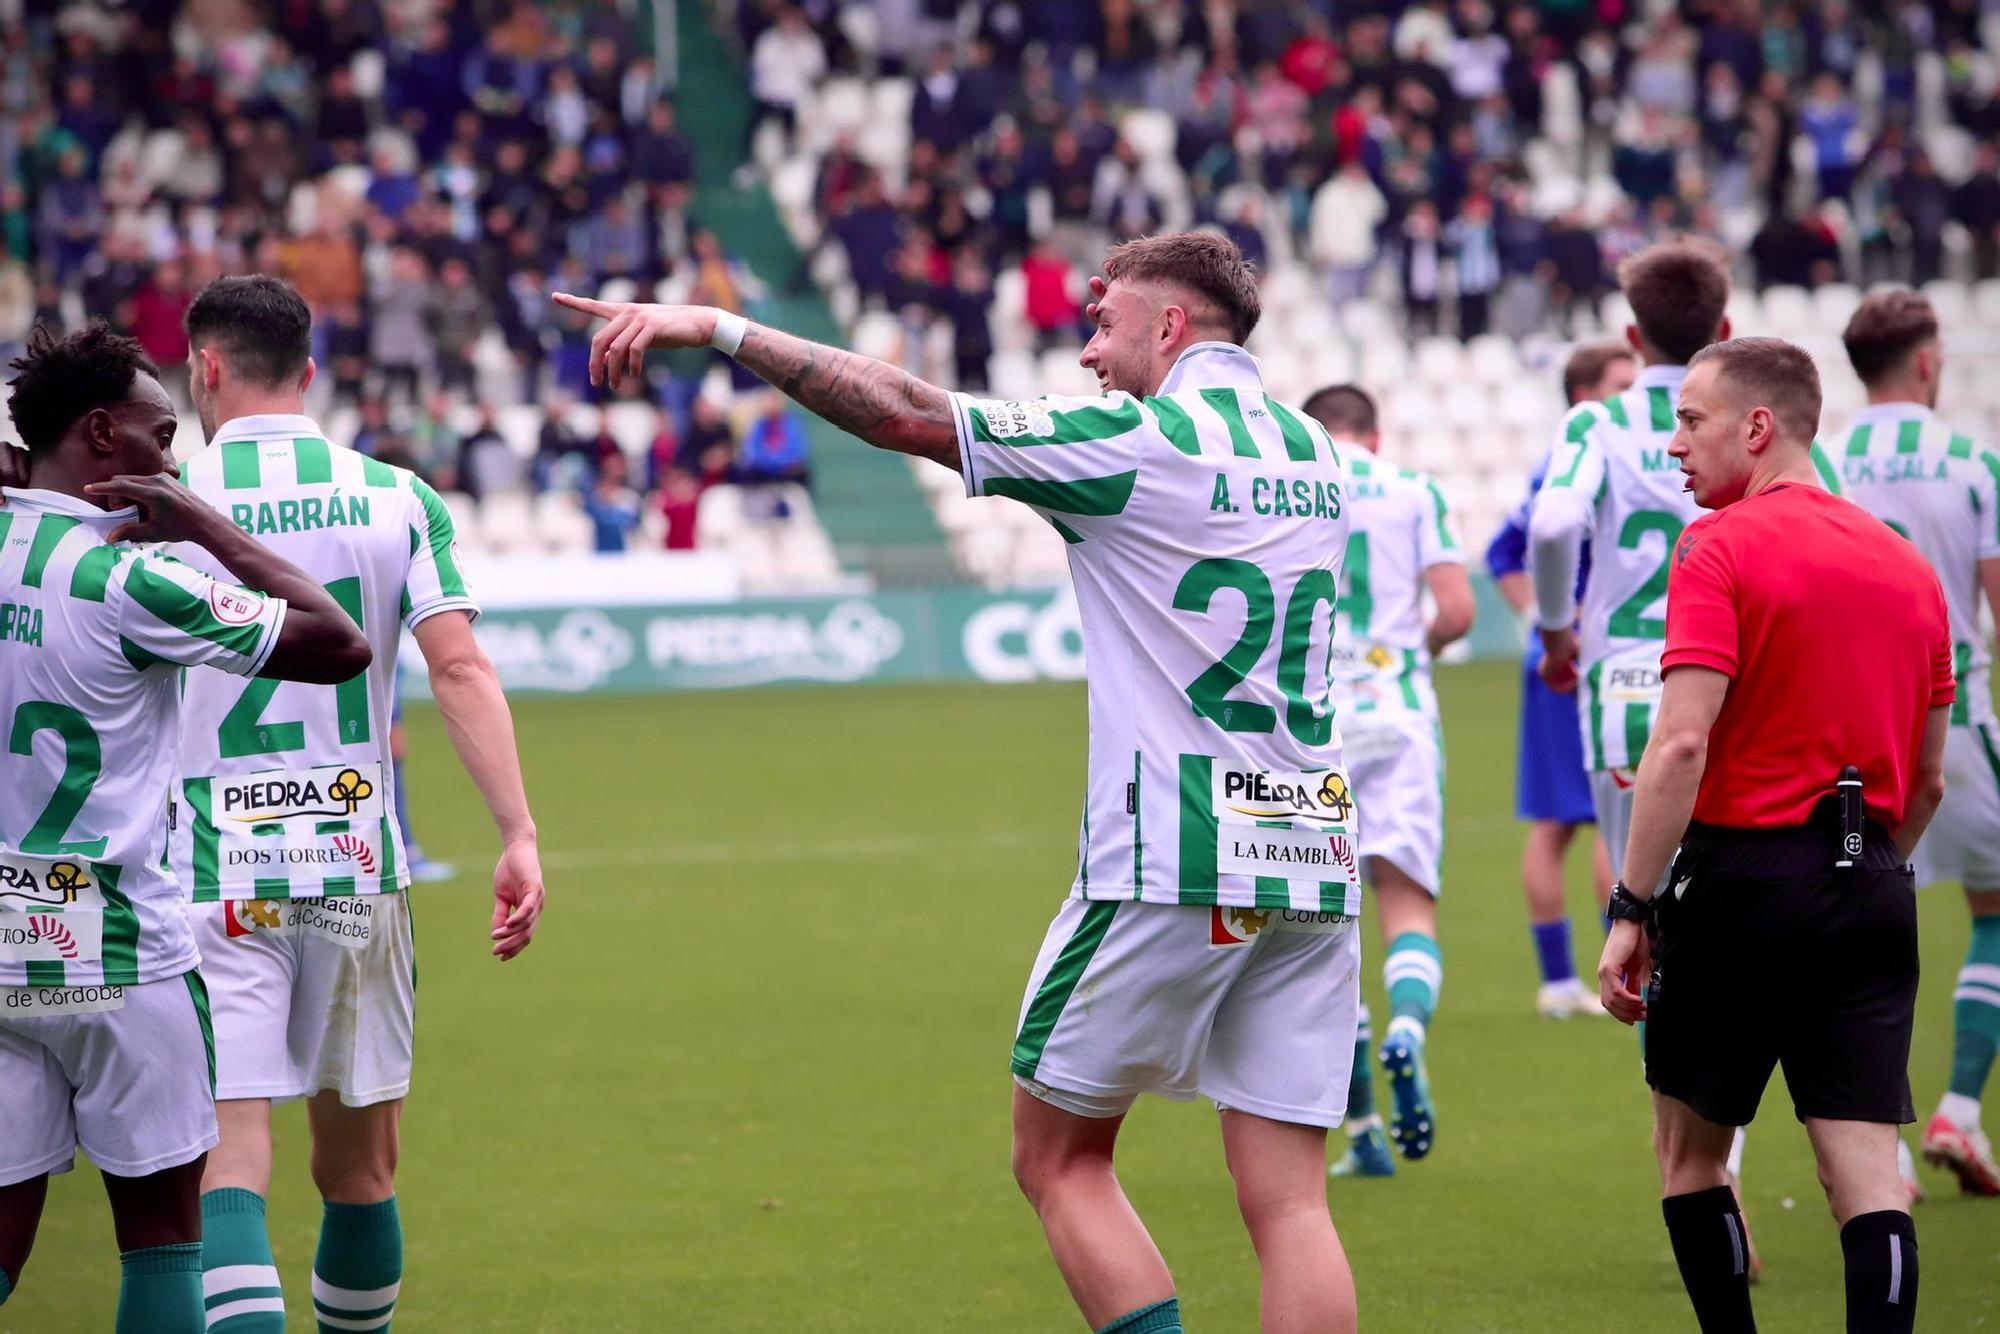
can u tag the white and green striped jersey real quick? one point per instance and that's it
(1206, 527)
(1940, 489)
(1401, 528)
(92, 641)
(1611, 470)
(1612, 481)
(289, 787)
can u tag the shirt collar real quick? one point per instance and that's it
(1900, 410)
(1213, 365)
(267, 426)
(35, 500)
(1662, 377)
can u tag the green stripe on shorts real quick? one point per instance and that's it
(1058, 985)
(198, 992)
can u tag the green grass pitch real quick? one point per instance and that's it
(753, 1074)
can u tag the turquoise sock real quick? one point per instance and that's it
(239, 1280)
(1414, 973)
(359, 1268)
(1975, 1011)
(1159, 1318)
(1361, 1081)
(159, 1290)
(6, 1287)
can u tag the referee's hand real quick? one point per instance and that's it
(1623, 971)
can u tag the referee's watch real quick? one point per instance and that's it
(1625, 906)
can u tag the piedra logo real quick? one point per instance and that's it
(1289, 797)
(59, 885)
(262, 800)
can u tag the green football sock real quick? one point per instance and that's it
(1361, 1082)
(1975, 1011)
(239, 1280)
(359, 1268)
(1414, 974)
(1159, 1318)
(159, 1290)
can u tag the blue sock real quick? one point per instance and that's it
(1552, 947)
(1159, 1318)
(6, 1287)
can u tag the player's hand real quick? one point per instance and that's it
(13, 467)
(168, 511)
(1624, 970)
(1559, 653)
(619, 348)
(517, 898)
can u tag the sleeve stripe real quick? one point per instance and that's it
(438, 523)
(1616, 407)
(1176, 425)
(50, 529)
(1445, 538)
(1992, 463)
(92, 573)
(1097, 496)
(1824, 466)
(1574, 435)
(1223, 400)
(176, 606)
(1298, 445)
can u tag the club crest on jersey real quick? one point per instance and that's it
(242, 917)
(234, 606)
(57, 885)
(1228, 927)
(263, 798)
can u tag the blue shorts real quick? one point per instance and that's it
(1549, 782)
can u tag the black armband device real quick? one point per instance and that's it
(1625, 906)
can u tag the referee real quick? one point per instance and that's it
(1803, 636)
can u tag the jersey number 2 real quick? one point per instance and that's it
(83, 761)
(1630, 620)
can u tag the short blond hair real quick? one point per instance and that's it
(1774, 374)
(1206, 263)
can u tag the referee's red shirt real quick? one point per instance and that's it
(1834, 634)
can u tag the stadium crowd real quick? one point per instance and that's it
(427, 171)
(424, 174)
(1442, 150)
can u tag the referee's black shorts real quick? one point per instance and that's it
(1765, 955)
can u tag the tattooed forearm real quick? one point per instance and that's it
(880, 403)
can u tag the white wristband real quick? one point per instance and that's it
(729, 330)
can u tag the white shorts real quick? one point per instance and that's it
(1395, 763)
(126, 1073)
(311, 995)
(1254, 1009)
(1963, 841)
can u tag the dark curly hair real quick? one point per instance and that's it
(58, 380)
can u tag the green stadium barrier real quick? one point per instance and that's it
(935, 634)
